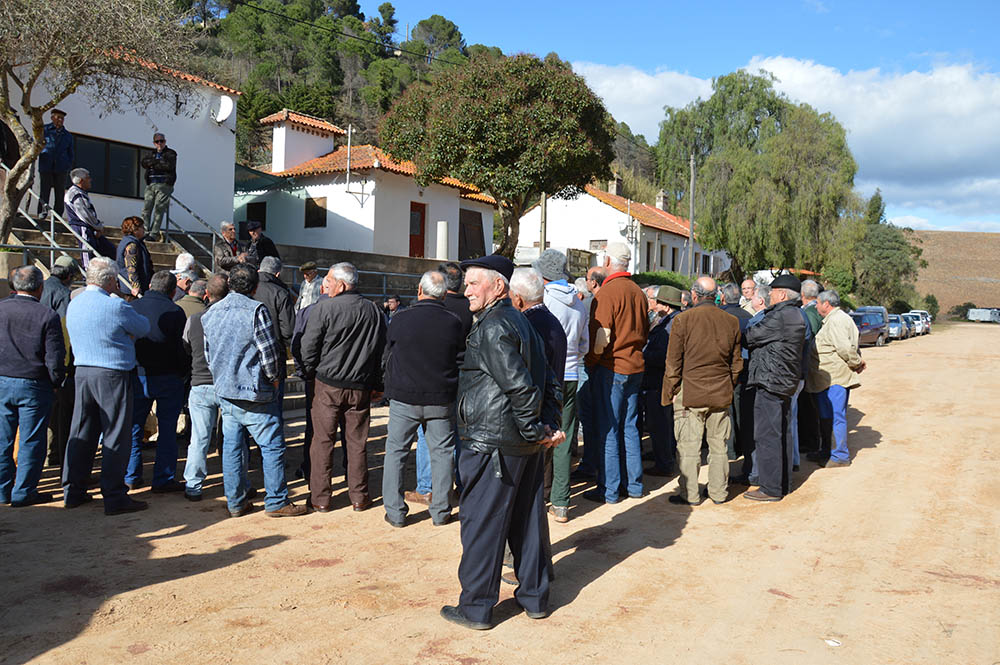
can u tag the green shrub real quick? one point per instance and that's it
(961, 312)
(661, 277)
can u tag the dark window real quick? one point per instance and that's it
(471, 244)
(316, 213)
(706, 264)
(114, 167)
(673, 259)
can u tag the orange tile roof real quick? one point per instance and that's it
(371, 157)
(646, 215)
(184, 76)
(799, 271)
(297, 118)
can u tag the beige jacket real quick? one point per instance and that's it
(835, 356)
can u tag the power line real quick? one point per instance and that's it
(375, 42)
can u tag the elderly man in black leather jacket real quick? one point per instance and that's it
(775, 369)
(509, 410)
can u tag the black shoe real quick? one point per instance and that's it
(78, 501)
(33, 499)
(677, 499)
(795, 467)
(391, 522)
(192, 497)
(129, 506)
(167, 487)
(454, 615)
(139, 484)
(582, 474)
(596, 496)
(447, 519)
(533, 615)
(818, 457)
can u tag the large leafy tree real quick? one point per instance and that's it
(48, 50)
(514, 127)
(888, 259)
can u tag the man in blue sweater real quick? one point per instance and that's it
(32, 363)
(102, 331)
(55, 162)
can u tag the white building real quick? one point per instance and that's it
(596, 217)
(360, 199)
(201, 128)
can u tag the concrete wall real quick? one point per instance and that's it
(375, 221)
(206, 151)
(576, 222)
(292, 145)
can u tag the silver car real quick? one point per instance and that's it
(898, 327)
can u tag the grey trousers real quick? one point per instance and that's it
(439, 425)
(103, 407)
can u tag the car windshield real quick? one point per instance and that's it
(893, 318)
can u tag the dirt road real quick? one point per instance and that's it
(893, 560)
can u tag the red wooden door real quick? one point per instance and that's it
(418, 216)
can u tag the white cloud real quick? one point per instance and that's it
(928, 139)
(912, 222)
(637, 98)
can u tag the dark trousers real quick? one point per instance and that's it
(52, 180)
(659, 422)
(495, 512)
(329, 405)
(308, 436)
(748, 400)
(103, 406)
(60, 420)
(808, 422)
(774, 448)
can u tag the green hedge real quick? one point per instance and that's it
(682, 282)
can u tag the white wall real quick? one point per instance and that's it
(206, 151)
(377, 221)
(575, 222)
(293, 145)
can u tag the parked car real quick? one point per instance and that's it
(872, 328)
(925, 315)
(875, 309)
(916, 323)
(898, 327)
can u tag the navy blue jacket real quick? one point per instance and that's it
(421, 352)
(553, 338)
(655, 354)
(57, 155)
(32, 340)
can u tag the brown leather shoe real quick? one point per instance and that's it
(288, 510)
(362, 505)
(417, 497)
(318, 507)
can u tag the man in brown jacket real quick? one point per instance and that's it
(703, 366)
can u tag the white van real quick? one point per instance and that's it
(925, 315)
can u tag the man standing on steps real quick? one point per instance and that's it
(261, 246)
(161, 174)
(54, 163)
(80, 212)
(702, 369)
(244, 359)
(231, 251)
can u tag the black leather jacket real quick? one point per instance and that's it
(507, 393)
(776, 349)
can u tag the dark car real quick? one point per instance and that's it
(872, 328)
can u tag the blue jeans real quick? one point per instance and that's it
(24, 403)
(616, 397)
(832, 405)
(203, 407)
(168, 392)
(424, 462)
(263, 421)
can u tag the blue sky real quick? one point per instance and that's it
(916, 84)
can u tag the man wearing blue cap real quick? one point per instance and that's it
(509, 411)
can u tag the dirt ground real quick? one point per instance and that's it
(893, 560)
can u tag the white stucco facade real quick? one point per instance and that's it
(586, 223)
(373, 215)
(206, 151)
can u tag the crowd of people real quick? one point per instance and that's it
(501, 375)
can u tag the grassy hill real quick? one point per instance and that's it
(961, 267)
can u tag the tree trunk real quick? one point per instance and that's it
(511, 217)
(18, 181)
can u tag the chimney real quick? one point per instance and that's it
(615, 185)
(661, 200)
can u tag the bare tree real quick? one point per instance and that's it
(119, 53)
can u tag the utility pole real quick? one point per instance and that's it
(691, 222)
(541, 241)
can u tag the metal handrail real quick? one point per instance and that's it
(53, 217)
(215, 234)
(197, 242)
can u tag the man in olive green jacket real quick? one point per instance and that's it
(834, 371)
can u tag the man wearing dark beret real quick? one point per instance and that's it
(775, 345)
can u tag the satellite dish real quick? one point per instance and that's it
(226, 107)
